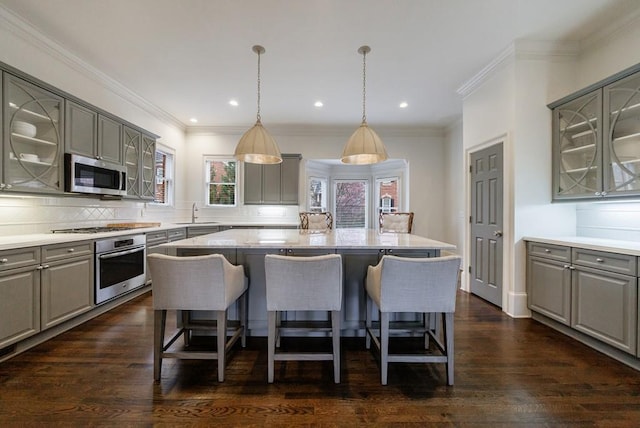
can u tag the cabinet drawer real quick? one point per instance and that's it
(549, 251)
(612, 262)
(156, 237)
(177, 234)
(11, 259)
(55, 252)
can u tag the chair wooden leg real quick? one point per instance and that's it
(278, 324)
(368, 321)
(448, 334)
(384, 346)
(186, 320)
(160, 318)
(244, 318)
(221, 327)
(335, 333)
(271, 343)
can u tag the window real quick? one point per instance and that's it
(351, 203)
(163, 177)
(221, 182)
(317, 194)
(388, 194)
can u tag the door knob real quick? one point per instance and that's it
(497, 233)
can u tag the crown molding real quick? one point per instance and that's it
(319, 130)
(612, 31)
(30, 34)
(518, 50)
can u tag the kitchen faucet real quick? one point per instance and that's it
(194, 208)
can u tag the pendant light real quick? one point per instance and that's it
(364, 146)
(257, 145)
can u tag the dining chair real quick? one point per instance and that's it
(312, 283)
(396, 222)
(424, 285)
(316, 221)
(197, 283)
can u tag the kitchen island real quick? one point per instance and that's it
(359, 248)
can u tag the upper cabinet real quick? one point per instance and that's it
(272, 184)
(596, 141)
(92, 134)
(139, 158)
(32, 140)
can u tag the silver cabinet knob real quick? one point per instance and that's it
(71, 250)
(4, 260)
(546, 250)
(599, 260)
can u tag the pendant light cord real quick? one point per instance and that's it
(364, 86)
(258, 114)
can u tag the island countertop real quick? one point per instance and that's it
(292, 238)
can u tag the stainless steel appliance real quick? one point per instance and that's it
(120, 266)
(86, 175)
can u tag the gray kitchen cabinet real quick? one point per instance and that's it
(32, 138)
(193, 231)
(139, 159)
(604, 304)
(596, 140)
(272, 184)
(592, 292)
(92, 134)
(19, 295)
(549, 281)
(156, 238)
(67, 281)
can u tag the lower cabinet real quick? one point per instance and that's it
(67, 290)
(592, 292)
(19, 304)
(67, 282)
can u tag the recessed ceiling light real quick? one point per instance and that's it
(193, 120)
(403, 104)
(318, 104)
(233, 103)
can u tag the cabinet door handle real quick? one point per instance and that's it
(71, 250)
(546, 250)
(566, 266)
(39, 268)
(45, 266)
(389, 251)
(599, 260)
(4, 260)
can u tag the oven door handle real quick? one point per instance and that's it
(119, 253)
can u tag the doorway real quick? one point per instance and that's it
(486, 186)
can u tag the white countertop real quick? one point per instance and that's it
(611, 245)
(293, 238)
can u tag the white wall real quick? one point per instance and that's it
(25, 49)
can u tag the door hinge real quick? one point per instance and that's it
(470, 168)
(470, 219)
(469, 268)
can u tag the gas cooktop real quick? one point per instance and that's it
(96, 229)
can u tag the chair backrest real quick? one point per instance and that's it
(316, 221)
(396, 222)
(303, 283)
(196, 282)
(419, 284)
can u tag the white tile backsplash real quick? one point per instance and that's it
(619, 220)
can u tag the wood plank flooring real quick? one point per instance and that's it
(509, 373)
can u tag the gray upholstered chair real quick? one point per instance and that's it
(303, 284)
(316, 221)
(396, 222)
(423, 285)
(204, 283)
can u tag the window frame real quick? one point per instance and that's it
(167, 177)
(212, 158)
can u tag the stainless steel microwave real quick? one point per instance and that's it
(86, 175)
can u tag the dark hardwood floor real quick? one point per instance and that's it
(509, 372)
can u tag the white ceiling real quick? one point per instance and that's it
(190, 57)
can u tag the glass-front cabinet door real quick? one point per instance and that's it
(132, 143)
(147, 165)
(622, 136)
(577, 142)
(32, 150)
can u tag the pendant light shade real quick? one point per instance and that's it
(257, 145)
(364, 147)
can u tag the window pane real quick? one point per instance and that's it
(388, 197)
(351, 208)
(317, 194)
(161, 165)
(221, 183)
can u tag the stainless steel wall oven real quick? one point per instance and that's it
(120, 266)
